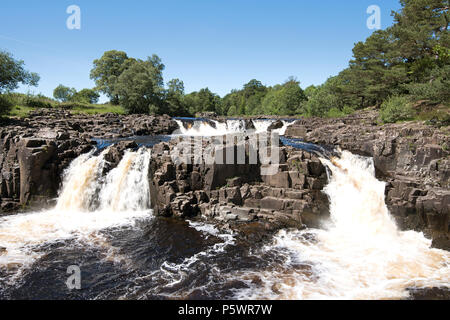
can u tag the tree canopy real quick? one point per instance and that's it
(12, 72)
(107, 70)
(140, 87)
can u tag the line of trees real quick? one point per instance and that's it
(138, 86)
(410, 58)
(66, 94)
(408, 61)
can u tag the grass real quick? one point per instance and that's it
(23, 104)
(20, 111)
(98, 109)
(439, 115)
(23, 111)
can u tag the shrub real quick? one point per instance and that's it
(38, 102)
(334, 113)
(6, 104)
(337, 113)
(74, 105)
(396, 108)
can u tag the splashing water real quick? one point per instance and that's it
(359, 255)
(204, 128)
(124, 198)
(126, 187)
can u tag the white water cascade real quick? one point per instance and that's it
(360, 254)
(204, 128)
(86, 205)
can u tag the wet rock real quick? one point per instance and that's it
(278, 124)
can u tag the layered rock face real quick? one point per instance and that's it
(239, 192)
(413, 158)
(35, 151)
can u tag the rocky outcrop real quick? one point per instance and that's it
(106, 125)
(412, 157)
(31, 166)
(235, 193)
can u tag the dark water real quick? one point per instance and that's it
(141, 141)
(157, 258)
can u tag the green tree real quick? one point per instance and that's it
(286, 99)
(202, 101)
(107, 70)
(86, 96)
(12, 72)
(174, 98)
(140, 88)
(63, 93)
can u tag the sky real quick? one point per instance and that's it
(219, 44)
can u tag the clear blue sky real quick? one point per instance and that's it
(220, 44)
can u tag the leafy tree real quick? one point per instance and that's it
(396, 108)
(139, 88)
(174, 98)
(202, 101)
(286, 99)
(6, 104)
(86, 96)
(107, 70)
(12, 73)
(419, 27)
(63, 93)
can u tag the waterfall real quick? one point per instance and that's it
(205, 128)
(360, 254)
(80, 182)
(86, 205)
(127, 186)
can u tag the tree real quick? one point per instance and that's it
(107, 70)
(86, 96)
(139, 88)
(202, 101)
(63, 93)
(407, 57)
(12, 73)
(174, 98)
(285, 99)
(323, 98)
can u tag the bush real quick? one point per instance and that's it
(74, 105)
(396, 108)
(38, 102)
(335, 113)
(6, 104)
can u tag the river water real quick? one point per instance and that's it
(105, 226)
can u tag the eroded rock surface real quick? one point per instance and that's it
(239, 192)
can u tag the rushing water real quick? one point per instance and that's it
(216, 128)
(104, 225)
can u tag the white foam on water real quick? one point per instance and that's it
(126, 200)
(205, 129)
(360, 255)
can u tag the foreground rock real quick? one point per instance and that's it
(412, 157)
(238, 193)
